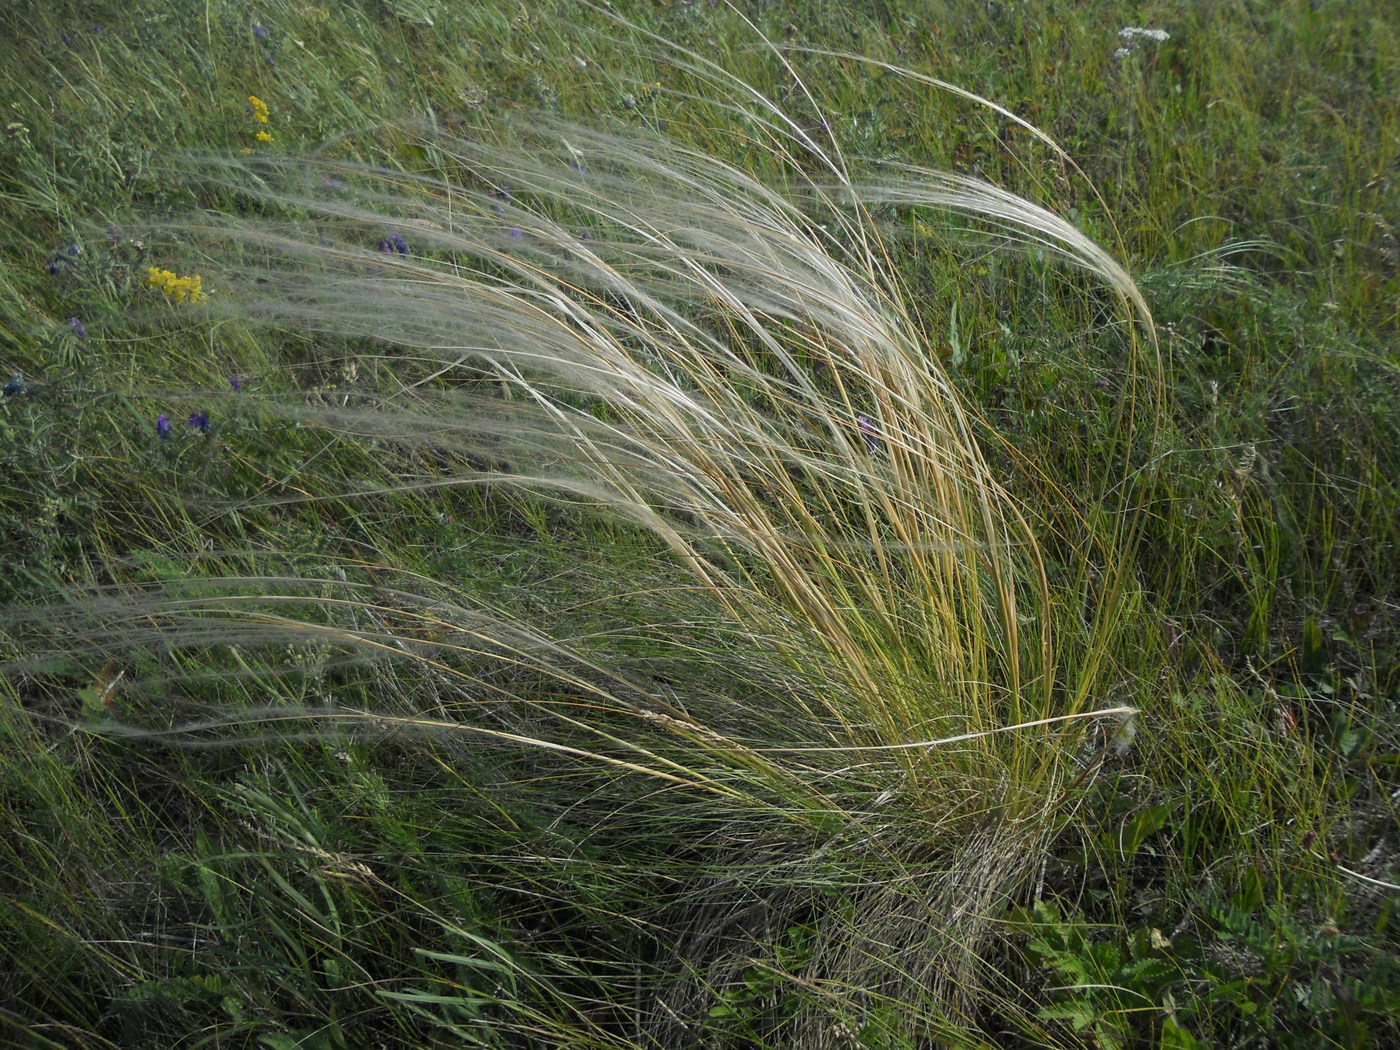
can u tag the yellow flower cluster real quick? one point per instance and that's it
(259, 108)
(181, 289)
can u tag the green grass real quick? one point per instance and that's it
(555, 688)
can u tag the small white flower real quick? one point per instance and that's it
(1131, 33)
(1122, 53)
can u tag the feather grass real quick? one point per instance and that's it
(878, 687)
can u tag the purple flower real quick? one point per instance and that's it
(200, 422)
(15, 386)
(78, 327)
(578, 166)
(400, 245)
(235, 383)
(163, 427)
(514, 231)
(868, 431)
(63, 260)
(259, 31)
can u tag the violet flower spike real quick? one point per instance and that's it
(868, 431)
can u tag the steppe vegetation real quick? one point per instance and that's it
(799, 524)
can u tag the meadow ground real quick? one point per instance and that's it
(528, 527)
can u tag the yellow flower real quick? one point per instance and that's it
(264, 136)
(181, 289)
(259, 108)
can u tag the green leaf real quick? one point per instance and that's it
(474, 962)
(470, 1003)
(1109, 1035)
(1140, 827)
(1174, 1037)
(1311, 653)
(1147, 976)
(1079, 1013)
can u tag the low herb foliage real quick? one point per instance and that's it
(699, 524)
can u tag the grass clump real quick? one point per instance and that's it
(634, 331)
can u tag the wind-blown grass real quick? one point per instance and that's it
(863, 646)
(697, 619)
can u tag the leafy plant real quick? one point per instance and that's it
(1273, 980)
(766, 995)
(1113, 988)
